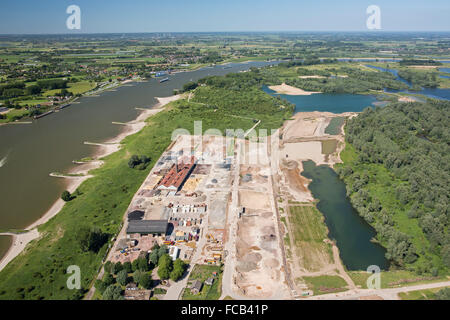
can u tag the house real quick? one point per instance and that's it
(209, 281)
(146, 227)
(196, 287)
(174, 252)
(131, 286)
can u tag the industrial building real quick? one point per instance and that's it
(145, 227)
(174, 179)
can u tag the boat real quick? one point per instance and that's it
(163, 80)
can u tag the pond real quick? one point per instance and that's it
(329, 102)
(351, 232)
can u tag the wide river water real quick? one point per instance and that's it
(30, 152)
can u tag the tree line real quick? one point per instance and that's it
(403, 150)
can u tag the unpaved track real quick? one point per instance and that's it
(387, 294)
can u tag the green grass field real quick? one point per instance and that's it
(325, 284)
(203, 272)
(309, 232)
(427, 294)
(14, 114)
(392, 279)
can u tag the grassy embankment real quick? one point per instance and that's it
(394, 278)
(325, 284)
(427, 294)
(40, 271)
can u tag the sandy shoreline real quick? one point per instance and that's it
(19, 241)
(289, 90)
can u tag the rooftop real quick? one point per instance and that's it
(147, 226)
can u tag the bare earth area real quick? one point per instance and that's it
(308, 250)
(289, 90)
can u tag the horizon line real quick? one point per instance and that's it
(237, 32)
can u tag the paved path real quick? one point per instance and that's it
(230, 245)
(176, 288)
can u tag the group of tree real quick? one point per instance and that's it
(170, 269)
(67, 196)
(138, 162)
(191, 85)
(356, 80)
(91, 239)
(118, 275)
(412, 142)
(51, 84)
(419, 62)
(418, 79)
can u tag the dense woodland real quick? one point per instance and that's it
(397, 169)
(420, 79)
(240, 94)
(333, 78)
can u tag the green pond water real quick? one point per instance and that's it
(351, 233)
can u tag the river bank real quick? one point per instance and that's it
(54, 142)
(20, 241)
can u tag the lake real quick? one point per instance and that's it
(336, 103)
(351, 233)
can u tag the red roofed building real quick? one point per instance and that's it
(177, 175)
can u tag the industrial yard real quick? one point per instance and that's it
(242, 204)
(182, 204)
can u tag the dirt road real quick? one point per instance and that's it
(386, 294)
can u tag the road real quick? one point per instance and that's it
(230, 245)
(387, 294)
(176, 288)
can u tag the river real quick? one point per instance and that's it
(436, 93)
(30, 152)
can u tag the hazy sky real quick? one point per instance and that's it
(49, 16)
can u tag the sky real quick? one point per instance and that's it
(126, 16)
